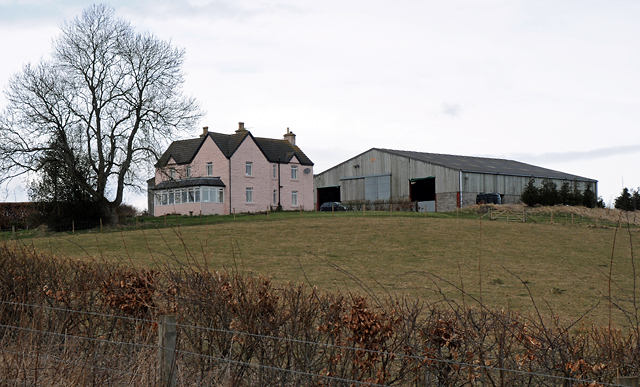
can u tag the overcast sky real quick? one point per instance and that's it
(551, 83)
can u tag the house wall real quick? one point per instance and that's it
(303, 184)
(259, 181)
(192, 209)
(208, 153)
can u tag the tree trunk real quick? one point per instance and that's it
(108, 212)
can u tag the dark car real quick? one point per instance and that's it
(327, 206)
(488, 198)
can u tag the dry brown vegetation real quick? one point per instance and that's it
(58, 327)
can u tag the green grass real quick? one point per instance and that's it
(565, 267)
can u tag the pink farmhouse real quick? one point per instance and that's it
(225, 173)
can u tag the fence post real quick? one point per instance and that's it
(572, 218)
(73, 227)
(628, 381)
(524, 215)
(234, 213)
(167, 347)
(13, 232)
(551, 217)
(596, 222)
(100, 224)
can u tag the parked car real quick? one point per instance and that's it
(327, 206)
(488, 198)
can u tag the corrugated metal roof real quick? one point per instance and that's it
(484, 165)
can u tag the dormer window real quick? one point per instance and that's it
(188, 171)
(172, 173)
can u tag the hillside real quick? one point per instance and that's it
(564, 266)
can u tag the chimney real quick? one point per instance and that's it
(241, 127)
(205, 131)
(290, 137)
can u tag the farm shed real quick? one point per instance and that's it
(431, 181)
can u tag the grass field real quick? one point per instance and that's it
(565, 267)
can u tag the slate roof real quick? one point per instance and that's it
(484, 165)
(191, 182)
(184, 151)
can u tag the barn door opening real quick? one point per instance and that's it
(327, 194)
(423, 191)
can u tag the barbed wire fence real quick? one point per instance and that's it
(46, 345)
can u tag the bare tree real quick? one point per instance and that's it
(105, 104)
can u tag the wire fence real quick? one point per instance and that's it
(46, 345)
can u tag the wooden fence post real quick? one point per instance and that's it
(632, 381)
(364, 209)
(234, 213)
(524, 215)
(167, 347)
(13, 232)
(73, 227)
(100, 224)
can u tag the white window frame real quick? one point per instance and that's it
(249, 194)
(294, 172)
(188, 171)
(205, 194)
(248, 168)
(209, 169)
(172, 173)
(275, 196)
(275, 171)
(294, 198)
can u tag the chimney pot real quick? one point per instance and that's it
(240, 127)
(205, 130)
(291, 137)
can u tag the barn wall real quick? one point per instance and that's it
(509, 186)
(376, 162)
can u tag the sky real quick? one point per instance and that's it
(550, 83)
